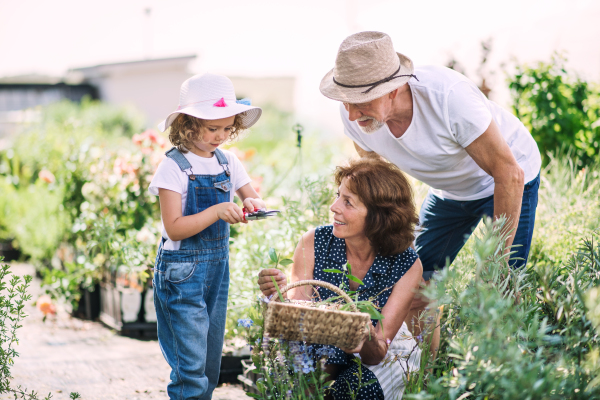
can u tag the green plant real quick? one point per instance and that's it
(289, 370)
(13, 295)
(568, 210)
(515, 333)
(282, 233)
(560, 110)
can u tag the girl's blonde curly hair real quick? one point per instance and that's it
(186, 129)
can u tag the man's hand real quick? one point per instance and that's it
(491, 152)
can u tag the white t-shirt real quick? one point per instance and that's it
(169, 176)
(449, 113)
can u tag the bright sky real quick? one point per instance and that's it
(300, 38)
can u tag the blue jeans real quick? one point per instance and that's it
(447, 224)
(190, 296)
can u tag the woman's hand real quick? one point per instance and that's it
(254, 204)
(230, 213)
(266, 283)
(361, 344)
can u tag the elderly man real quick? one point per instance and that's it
(437, 126)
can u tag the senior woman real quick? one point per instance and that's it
(374, 219)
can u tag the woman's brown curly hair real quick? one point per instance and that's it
(387, 194)
(186, 129)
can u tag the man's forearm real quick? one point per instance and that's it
(508, 195)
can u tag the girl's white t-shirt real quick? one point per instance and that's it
(169, 176)
(449, 113)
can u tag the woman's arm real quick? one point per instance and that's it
(302, 268)
(179, 227)
(394, 312)
(250, 199)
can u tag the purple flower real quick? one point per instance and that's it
(245, 322)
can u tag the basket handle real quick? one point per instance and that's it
(326, 285)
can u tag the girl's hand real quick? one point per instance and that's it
(230, 213)
(254, 204)
(266, 283)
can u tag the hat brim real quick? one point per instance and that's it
(355, 95)
(249, 114)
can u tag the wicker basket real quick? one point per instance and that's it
(294, 321)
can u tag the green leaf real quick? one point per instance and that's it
(349, 268)
(355, 279)
(273, 255)
(335, 271)
(277, 287)
(285, 262)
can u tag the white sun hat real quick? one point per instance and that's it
(366, 68)
(211, 96)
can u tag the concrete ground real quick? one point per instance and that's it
(64, 355)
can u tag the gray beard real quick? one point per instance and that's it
(374, 126)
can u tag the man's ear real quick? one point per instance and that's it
(394, 93)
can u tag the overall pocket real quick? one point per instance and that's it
(179, 272)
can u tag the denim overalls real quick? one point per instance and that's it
(190, 290)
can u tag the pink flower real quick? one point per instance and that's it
(46, 176)
(44, 304)
(137, 139)
(123, 167)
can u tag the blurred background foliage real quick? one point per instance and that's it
(75, 202)
(560, 110)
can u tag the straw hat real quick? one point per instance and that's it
(366, 67)
(211, 96)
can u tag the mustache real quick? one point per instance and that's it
(365, 118)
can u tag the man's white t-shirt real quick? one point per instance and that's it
(449, 113)
(169, 176)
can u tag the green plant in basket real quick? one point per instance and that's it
(277, 260)
(365, 306)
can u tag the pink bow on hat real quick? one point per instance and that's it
(220, 103)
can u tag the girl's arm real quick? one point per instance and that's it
(250, 198)
(303, 268)
(396, 309)
(179, 227)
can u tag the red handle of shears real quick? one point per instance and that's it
(245, 211)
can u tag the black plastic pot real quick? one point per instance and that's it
(89, 304)
(8, 251)
(231, 367)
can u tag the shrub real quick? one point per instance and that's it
(560, 110)
(515, 333)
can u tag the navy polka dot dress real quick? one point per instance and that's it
(330, 253)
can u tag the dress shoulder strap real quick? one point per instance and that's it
(176, 155)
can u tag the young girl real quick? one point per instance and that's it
(195, 185)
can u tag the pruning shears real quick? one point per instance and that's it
(261, 213)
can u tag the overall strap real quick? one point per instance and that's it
(223, 161)
(175, 155)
